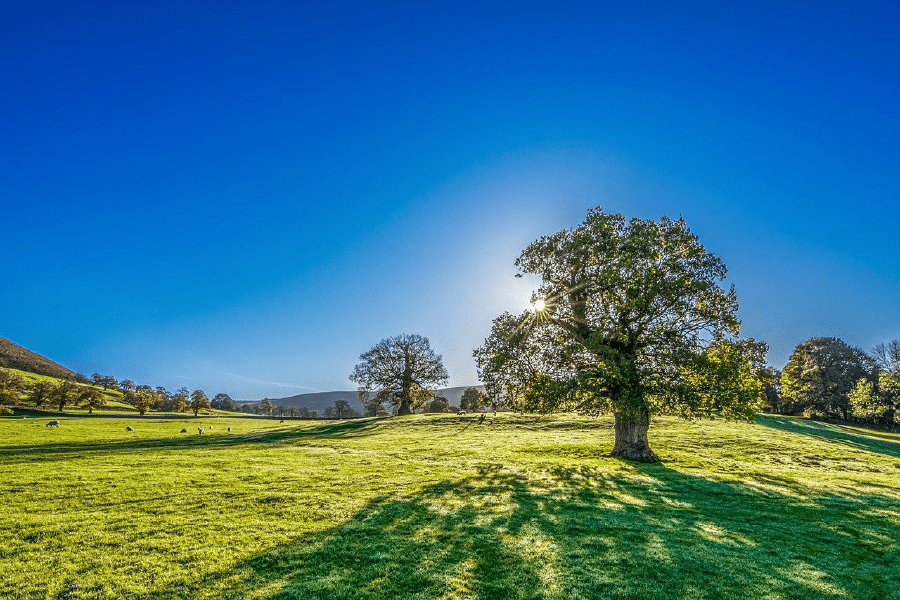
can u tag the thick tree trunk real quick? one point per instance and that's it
(631, 436)
(404, 408)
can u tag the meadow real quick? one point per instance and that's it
(440, 506)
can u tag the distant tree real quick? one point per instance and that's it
(265, 407)
(247, 408)
(373, 409)
(293, 411)
(11, 387)
(304, 412)
(877, 402)
(143, 400)
(329, 412)
(472, 399)
(97, 379)
(40, 392)
(438, 404)
(281, 410)
(342, 410)
(621, 320)
(820, 375)
(222, 401)
(108, 381)
(314, 414)
(180, 399)
(887, 356)
(81, 378)
(126, 385)
(400, 370)
(198, 401)
(90, 398)
(64, 392)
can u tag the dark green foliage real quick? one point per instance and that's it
(438, 404)
(820, 375)
(11, 387)
(64, 392)
(199, 400)
(223, 401)
(472, 399)
(40, 392)
(90, 398)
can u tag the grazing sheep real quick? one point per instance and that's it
(200, 431)
(462, 412)
(229, 430)
(210, 427)
(53, 424)
(281, 421)
(183, 430)
(130, 428)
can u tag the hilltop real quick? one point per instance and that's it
(14, 356)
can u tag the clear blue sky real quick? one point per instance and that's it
(244, 196)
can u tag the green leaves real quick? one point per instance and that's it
(631, 308)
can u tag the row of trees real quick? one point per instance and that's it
(826, 377)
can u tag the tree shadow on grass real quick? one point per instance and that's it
(649, 532)
(839, 434)
(219, 439)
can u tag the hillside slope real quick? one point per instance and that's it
(14, 356)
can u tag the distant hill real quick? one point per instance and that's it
(14, 356)
(320, 400)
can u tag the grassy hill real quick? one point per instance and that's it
(438, 506)
(14, 356)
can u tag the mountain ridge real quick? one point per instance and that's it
(14, 356)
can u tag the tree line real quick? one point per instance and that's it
(827, 378)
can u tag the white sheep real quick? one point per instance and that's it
(183, 430)
(229, 430)
(130, 428)
(53, 424)
(200, 431)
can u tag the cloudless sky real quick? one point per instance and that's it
(244, 196)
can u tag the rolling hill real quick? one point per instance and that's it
(320, 400)
(14, 356)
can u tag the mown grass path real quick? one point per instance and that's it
(442, 507)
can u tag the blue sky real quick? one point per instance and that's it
(243, 197)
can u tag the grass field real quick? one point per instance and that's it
(435, 506)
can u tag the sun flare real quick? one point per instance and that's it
(539, 305)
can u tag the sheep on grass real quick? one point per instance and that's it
(130, 428)
(53, 424)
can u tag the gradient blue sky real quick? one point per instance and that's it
(244, 196)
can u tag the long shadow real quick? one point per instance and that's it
(650, 532)
(283, 436)
(876, 442)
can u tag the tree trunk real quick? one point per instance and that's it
(631, 436)
(404, 408)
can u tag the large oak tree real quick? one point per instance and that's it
(623, 322)
(400, 370)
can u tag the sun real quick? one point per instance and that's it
(539, 305)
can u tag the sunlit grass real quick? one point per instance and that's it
(438, 506)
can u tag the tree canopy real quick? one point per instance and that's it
(624, 321)
(820, 375)
(400, 370)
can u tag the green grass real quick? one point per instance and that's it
(441, 507)
(113, 399)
